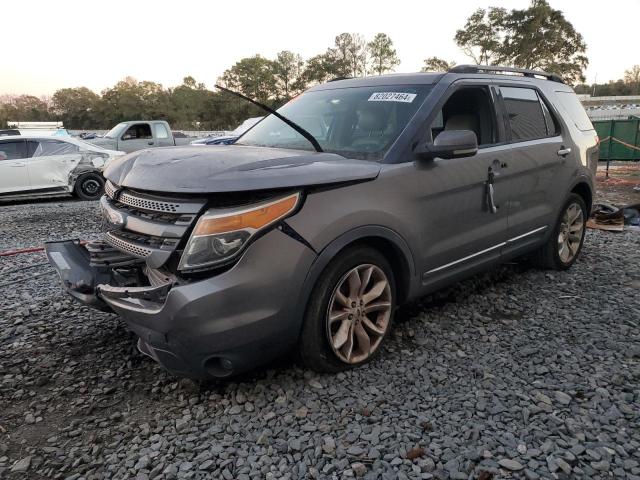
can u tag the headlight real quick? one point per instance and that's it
(219, 236)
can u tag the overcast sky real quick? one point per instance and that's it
(69, 43)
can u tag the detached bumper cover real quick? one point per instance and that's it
(78, 278)
(241, 317)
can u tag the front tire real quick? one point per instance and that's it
(89, 186)
(564, 245)
(350, 311)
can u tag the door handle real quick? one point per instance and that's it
(18, 164)
(493, 208)
(149, 143)
(563, 152)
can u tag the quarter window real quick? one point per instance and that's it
(574, 108)
(14, 150)
(525, 113)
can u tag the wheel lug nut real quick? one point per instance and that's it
(353, 304)
(350, 317)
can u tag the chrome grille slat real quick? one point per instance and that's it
(150, 203)
(128, 247)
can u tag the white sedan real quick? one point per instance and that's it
(47, 166)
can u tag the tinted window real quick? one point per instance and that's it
(525, 113)
(161, 131)
(570, 103)
(139, 131)
(47, 148)
(552, 126)
(14, 150)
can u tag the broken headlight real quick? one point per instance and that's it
(219, 236)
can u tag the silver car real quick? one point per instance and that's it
(309, 238)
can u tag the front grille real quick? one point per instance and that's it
(152, 226)
(151, 203)
(154, 205)
(109, 189)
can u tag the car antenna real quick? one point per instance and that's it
(291, 123)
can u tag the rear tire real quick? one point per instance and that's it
(89, 186)
(350, 311)
(565, 243)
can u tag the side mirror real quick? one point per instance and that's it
(450, 144)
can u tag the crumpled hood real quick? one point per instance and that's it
(233, 168)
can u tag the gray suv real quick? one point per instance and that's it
(353, 198)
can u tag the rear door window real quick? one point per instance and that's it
(570, 103)
(48, 148)
(525, 113)
(13, 150)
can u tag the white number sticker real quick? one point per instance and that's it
(392, 97)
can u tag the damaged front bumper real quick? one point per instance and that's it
(200, 328)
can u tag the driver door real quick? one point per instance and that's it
(459, 229)
(136, 137)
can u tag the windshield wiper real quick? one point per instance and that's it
(291, 123)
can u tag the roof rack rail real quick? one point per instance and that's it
(337, 79)
(497, 69)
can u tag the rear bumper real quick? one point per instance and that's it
(213, 327)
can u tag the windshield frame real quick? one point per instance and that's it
(426, 87)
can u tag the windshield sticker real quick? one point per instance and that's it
(392, 97)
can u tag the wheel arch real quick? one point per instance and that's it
(583, 189)
(388, 242)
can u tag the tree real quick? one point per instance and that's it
(383, 56)
(351, 49)
(632, 78)
(187, 104)
(288, 72)
(540, 37)
(325, 66)
(480, 36)
(254, 77)
(130, 100)
(77, 107)
(436, 64)
(537, 37)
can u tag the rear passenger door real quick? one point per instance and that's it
(50, 162)
(14, 176)
(536, 174)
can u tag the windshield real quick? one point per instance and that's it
(115, 131)
(246, 125)
(357, 122)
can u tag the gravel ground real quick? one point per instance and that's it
(517, 373)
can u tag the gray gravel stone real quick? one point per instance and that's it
(470, 375)
(510, 464)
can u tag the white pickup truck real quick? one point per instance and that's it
(136, 135)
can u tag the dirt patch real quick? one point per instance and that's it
(622, 187)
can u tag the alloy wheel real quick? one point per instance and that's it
(570, 234)
(359, 313)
